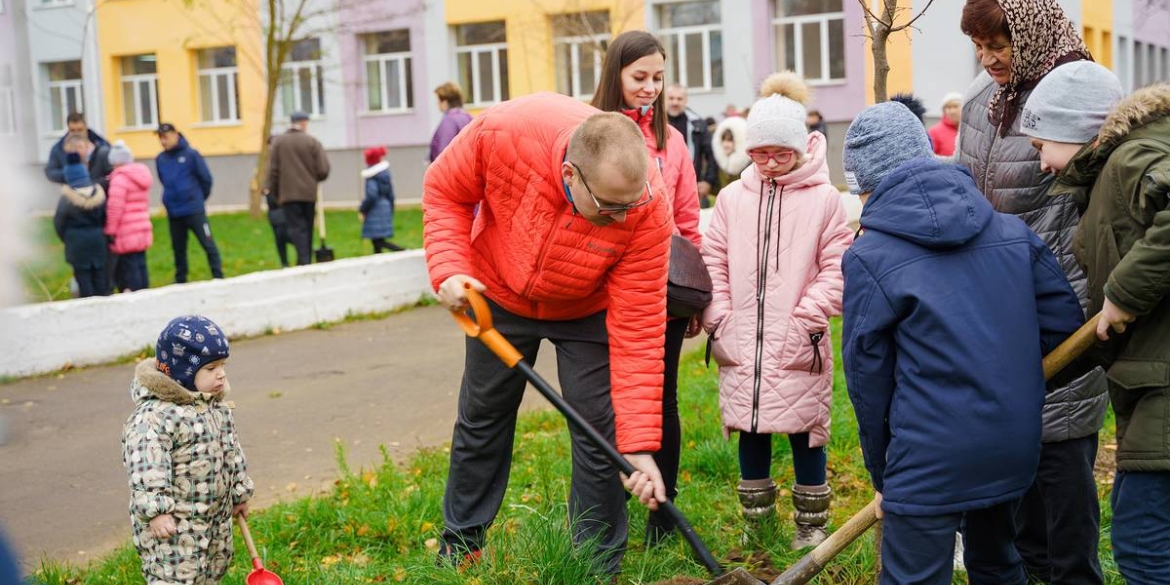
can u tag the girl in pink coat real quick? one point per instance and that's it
(774, 251)
(128, 226)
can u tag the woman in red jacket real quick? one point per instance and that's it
(631, 83)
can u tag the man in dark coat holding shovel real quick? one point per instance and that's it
(297, 164)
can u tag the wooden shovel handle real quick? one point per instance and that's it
(816, 560)
(247, 538)
(1073, 347)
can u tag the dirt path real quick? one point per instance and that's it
(394, 381)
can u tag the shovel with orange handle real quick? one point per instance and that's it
(481, 329)
(259, 575)
(817, 559)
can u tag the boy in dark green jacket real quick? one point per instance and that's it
(1120, 175)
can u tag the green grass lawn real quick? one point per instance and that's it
(245, 244)
(381, 525)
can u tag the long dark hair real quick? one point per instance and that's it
(627, 48)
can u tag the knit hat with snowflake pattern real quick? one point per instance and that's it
(186, 344)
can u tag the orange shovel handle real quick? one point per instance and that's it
(481, 327)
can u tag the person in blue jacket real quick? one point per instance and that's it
(186, 183)
(97, 159)
(949, 308)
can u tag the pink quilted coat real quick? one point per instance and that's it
(128, 209)
(774, 251)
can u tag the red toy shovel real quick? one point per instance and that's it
(259, 575)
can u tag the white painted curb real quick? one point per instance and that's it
(47, 336)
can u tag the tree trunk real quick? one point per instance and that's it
(274, 60)
(881, 65)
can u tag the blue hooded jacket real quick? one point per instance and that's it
(949, 308)
(185, 179)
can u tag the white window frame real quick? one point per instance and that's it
(64, 86)
(682, 59)
(576, 44)
(404, 58)
(474, 100)
(135, 81)
(292, 69)
(475, 51)
(231, 74)
(53, 3)
(824, 76)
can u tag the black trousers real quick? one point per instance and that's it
(280, 234)
(668, 454)
(919, 550)
(481, 446)
(198, 225)
(92, 282)
(130, 272)
(299, 215)
(1059, 519)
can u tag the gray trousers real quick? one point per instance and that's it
(481, 448)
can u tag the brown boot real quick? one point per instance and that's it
(811, 503)
(758, 498)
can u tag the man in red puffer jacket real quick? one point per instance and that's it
(570, 244)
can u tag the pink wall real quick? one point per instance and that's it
(406, 129)
(1151, 22)
(838, 102)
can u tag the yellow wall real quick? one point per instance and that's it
(1097, 16)
(898, 54)
(174, 30)
(529, 32)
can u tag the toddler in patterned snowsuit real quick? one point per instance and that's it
(188, 476)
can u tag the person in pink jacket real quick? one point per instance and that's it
(774, 250)
(128, 226)
(631, 82)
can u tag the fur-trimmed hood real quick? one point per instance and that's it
(150, 383)
(85, 197)
(1142, 107)
(373, 170)
(739, 159)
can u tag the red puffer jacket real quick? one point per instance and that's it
(678, 172)
(540, 259)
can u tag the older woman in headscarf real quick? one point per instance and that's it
(1018, 42)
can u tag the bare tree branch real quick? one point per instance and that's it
(913, 20)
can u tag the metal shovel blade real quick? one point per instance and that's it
(736, 576)
(262, 576)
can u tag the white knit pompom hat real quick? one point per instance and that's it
(778, 117)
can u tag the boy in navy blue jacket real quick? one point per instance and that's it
(949, 308)
(186, 185)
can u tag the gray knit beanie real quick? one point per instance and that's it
(880, 139)
(120, 154)
(1071, 102)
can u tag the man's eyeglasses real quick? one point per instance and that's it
(611, 209)
(782, 157)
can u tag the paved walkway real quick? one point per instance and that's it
(394, 381)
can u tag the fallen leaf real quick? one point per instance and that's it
(330, 560)
(399, 574)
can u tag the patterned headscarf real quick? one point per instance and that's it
(1042, 39)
